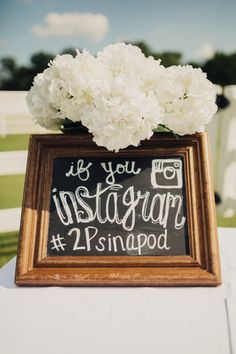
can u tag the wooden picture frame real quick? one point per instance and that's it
(200, 265)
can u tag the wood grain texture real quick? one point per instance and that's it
(200, 268)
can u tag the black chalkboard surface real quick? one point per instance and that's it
(119, 206)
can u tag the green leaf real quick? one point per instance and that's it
(163, 129)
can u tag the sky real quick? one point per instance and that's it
(195, 28)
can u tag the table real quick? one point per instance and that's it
(121, 320)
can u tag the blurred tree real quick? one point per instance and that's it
(23, 78)
(71, 51)
(195, 64)
(8, 68)
(221, 69)
(40, 60)
(144, 48)
(8, 64)
(169, 58)
(14, 77)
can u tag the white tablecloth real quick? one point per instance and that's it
(121, 320)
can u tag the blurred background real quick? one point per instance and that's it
(201, 33)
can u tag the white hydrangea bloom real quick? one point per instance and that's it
(65, 88)
(127, 61)
(122, 58)
(187, 99)
(38, 100)
(130, 111)
(124, 117)
(121, 96)
(87, 78)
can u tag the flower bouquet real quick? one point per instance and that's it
(121, 97)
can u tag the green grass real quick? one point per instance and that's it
(11, 191)
(226, 222)
(8, 246)
(14, 142)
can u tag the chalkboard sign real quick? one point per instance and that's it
(124, 206)
(143, 216)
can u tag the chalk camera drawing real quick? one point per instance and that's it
(167, 173)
